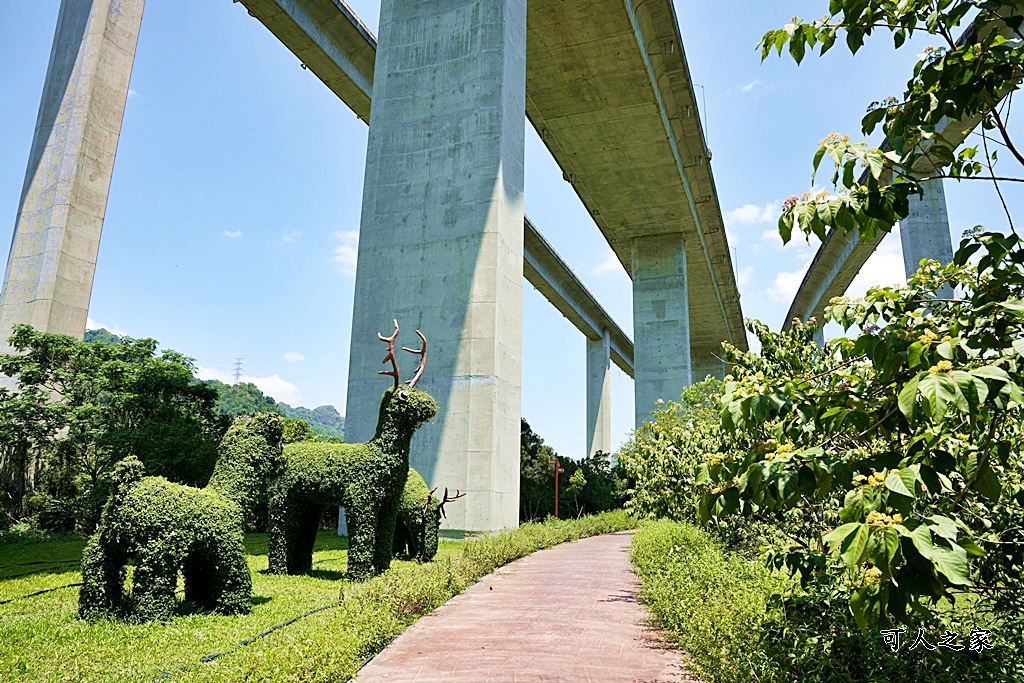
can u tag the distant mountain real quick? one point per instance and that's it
(102, 336)
(243, 398)
(324, 420)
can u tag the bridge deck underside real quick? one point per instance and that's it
(590, 96)
(609, 91)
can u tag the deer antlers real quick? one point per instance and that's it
(391, 354)
(422, 353)
(393, 372)
(426, 506)
(448, 500)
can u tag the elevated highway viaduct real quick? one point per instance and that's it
(444, 244)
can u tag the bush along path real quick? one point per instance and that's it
(566, 614)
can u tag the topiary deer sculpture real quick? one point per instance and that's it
(419, 519)
(167, 529)
(367, 479)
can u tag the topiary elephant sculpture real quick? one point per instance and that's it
(419, 519)
(167, 529)
(366, 479)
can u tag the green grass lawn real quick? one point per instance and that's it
(42, 639)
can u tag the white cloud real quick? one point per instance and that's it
(756, 84)
(280, 389)
(609, 265)
(232, 234)
(747, 215)
(133, 93)
(294, 357)
(291, 237)
(786, 284)
(883, 268)
(744, 275)
(752, 214)
(91, 324)
(345, 254)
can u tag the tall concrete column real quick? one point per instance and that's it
(706, 361)
(599, 394)
(925, 232)
(441, 242)
(50, 269)
(661, 321)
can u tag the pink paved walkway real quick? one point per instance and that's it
(567, 614)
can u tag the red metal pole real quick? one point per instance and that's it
(558, 468)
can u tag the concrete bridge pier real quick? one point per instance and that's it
(50, 269)
(925, 232)
(706, 361)
(661, 321)
(599, 394)
(441, 242)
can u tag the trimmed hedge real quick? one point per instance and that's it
(366, 479)
(738, 622)
(167, 528)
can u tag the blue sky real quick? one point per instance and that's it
(234, 207)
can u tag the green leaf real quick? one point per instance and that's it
(908, 397)
(952, 563)
(919, 534)
(902, 482)
(936, 398)
(1013, 305)
(858, 607)
(914, 353)
(854, 545)
(836, 536)
(991, 372)
(1018, 346)
(943, 526)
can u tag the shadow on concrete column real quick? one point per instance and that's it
(661, 321)
(599, 394)
(441, 242)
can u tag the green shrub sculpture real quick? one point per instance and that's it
(166, 529)
(367, 479)
(419, 519)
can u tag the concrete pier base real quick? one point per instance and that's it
(50, 269)
(441, 242)
(661, 321)
(599, 395)
(925, 232)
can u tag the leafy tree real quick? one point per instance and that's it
(965, 80)
(589, 486)
(110, 401)
(296, 430)
(243, 398)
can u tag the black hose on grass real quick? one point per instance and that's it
(28, 564)
(32, 595)
(214, 655)
(37, 570)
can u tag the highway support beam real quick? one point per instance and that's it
(441, 241)
(599, 394)
(661, 321)
(50, 268)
